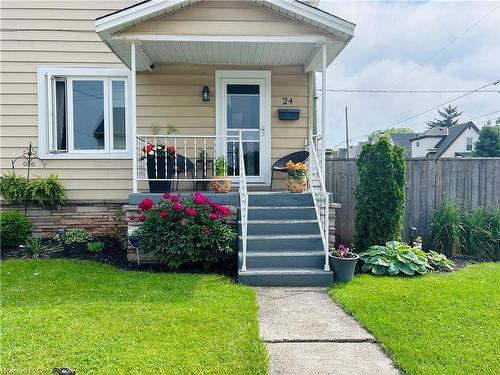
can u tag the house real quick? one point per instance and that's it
(442, 142)
(93, 84)
(403, 140)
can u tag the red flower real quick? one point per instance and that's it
(175, 198)
(199, 198)
(183, 222)
(191, 211)
(171, 149)
(142, 218)
(148, 148)
(132, 217)
(214, 216)
(223, 210)
(167, 195)
(178, 207)
(163, 214)
(207, 231)
(145, 205)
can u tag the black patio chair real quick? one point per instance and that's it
(280, 165)
(184, 165)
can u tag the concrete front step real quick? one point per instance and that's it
(281, 213)
(282, 199)
(284, 259)
(286, 277)
(256, 227)
(283, 241)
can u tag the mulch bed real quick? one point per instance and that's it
(115, 256)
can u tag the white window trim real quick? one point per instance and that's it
(108, 72)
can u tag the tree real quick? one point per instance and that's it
(374, 135)
(449, 117)
(380, 194)
(488, 144)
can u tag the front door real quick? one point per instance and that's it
(243, 107)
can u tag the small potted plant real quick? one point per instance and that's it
(74, 240)
(343, 263)
(297, 177)
(221, 182)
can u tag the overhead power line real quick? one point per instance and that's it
(406, 91)
(442, 104)
(486, 114)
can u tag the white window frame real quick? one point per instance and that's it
(471, 144)
(45, 115)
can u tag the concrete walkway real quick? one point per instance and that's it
(306, 333)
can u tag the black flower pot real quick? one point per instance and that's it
(160, 169)
(343, 268)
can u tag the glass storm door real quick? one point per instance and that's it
(243, 109)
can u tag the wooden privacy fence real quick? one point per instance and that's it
(473, 182)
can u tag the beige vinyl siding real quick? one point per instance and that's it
(224, 18)
(60, 33)
(63, 33)
(171, 96)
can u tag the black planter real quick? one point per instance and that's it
(160, 169)
(343, 268)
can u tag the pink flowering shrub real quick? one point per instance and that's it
(185, 231)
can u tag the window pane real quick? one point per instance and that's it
(60, 112)
(118, 94)
(88, 115)
(243, 104)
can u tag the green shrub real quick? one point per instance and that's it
(446, 229)
(95, 247)
(398, 257)
(13, 188)
(47, 192)
(76, 235)
(481, 233)
(15, 228)
(457, 231)
(379, 193)
(185, 232)
(35, 248)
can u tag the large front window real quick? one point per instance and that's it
(86, 115)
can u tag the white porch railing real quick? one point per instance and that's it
(320, 195)
(243, 204)
(194, 157)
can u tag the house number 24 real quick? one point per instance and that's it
(287, 100)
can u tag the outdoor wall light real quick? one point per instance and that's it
(205, 93)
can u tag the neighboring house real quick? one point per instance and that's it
(354, 151)
(66, 76)
(403, 140)
(442, 142)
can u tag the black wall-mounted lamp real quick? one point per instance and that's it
(205, 93)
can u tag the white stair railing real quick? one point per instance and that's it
(320, 196)
(243, 203)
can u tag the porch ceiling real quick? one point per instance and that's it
(152, 52)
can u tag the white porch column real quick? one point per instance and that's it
(133, 111)
(323, 111)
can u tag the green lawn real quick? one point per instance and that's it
(98, 319)
(433, 324)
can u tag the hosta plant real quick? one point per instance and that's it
(398, 257)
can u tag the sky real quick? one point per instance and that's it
(412, 45)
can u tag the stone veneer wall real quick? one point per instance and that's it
(332, 216)
(94, 216)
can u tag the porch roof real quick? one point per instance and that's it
(306, 50)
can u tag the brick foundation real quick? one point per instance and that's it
(94, 216)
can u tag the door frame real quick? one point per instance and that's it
(263, 78)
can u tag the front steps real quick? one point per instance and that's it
(284, 246)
